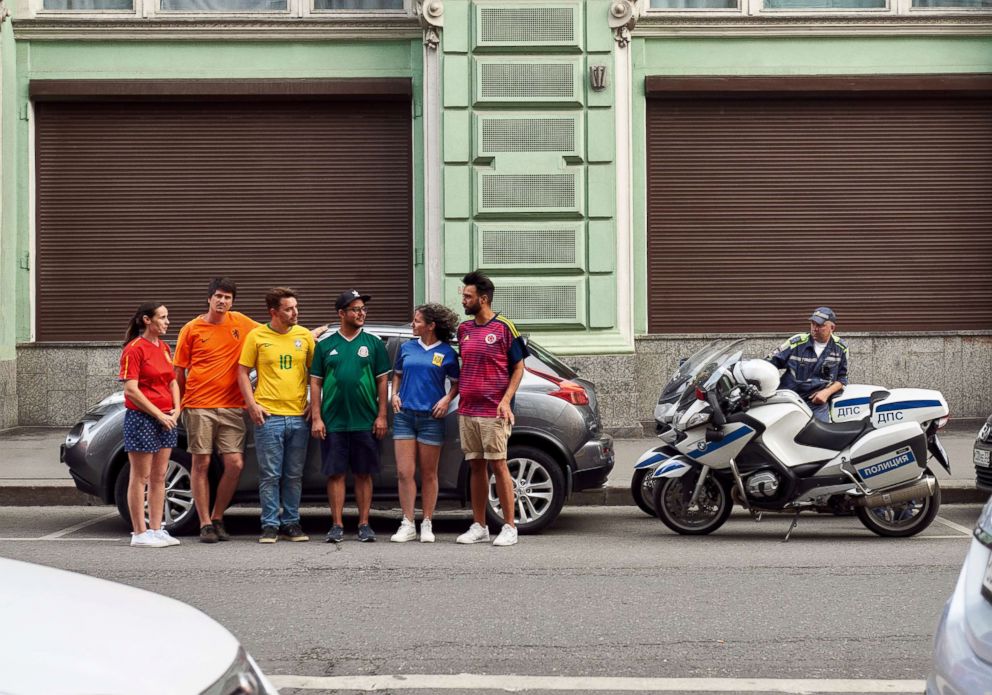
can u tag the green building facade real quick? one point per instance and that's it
(546, 148)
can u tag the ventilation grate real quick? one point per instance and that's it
(526, 25)
(537, 303)
(536, 247)
(528, 191)
(527, 81)
(528, 135)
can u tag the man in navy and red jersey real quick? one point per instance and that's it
(492, 353)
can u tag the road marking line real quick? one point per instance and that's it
(73, 529)
(957, 527)
(511, 683)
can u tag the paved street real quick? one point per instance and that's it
(606, 596)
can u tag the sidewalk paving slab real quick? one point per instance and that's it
(32, 475)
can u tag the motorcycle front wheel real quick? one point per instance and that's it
(903, 519)
(642, 490)
(705, 516)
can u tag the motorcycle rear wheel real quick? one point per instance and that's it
(706, 516)
(901, 520)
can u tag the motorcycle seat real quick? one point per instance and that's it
(831, 435)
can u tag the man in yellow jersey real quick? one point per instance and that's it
(280, 352)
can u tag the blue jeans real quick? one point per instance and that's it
(281, 450)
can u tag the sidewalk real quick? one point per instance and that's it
(31, 474)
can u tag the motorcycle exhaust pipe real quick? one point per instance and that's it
(921, 488)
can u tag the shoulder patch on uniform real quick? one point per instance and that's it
(840, 342)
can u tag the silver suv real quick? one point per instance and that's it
(557, 447)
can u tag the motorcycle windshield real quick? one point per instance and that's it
(711, 375)
(707, 358)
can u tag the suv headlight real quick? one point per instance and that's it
(242, 678)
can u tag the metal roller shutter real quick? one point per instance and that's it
(148, 200)
(763, 206)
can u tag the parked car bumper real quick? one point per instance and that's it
(593, 463)
(957, 669)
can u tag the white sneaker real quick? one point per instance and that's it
(426, 532)
(165, 536)
(406, 532)
(148, 539)
(507, 536)
(477, 533)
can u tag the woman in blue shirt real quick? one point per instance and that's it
(420, 403)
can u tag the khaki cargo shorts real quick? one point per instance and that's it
(222, 429)
(483, 437)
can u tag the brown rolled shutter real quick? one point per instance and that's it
(141, 201)
(762, 207)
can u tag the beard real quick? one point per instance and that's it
(473, 309)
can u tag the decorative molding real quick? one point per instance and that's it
(268, 29)
(623, 17)
(4, 12)
(430, 13)
(656, 25)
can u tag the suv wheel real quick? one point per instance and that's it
(538, 488)
(180, 514)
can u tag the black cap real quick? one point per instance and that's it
(823, 314)
(348, 296)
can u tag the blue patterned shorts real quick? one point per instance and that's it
(144, 433)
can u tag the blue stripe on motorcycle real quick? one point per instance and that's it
(713, 446)
(907, 405)
(668, 467)
(852, 401)
(651, 461)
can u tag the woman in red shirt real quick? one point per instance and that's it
(151, 399)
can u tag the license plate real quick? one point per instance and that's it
(987, 580)
(982, 457)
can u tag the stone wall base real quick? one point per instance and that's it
(8, 394)
(56, 383)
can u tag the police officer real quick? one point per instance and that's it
(815, 363)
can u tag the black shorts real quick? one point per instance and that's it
(354, 451)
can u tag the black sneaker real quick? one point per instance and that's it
(222, 534)
(335, 535)
(366, 534)
(270, 534)
(208, 534)
(294, 533)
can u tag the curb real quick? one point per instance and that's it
(609, 496)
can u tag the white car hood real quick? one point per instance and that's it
(67, 633)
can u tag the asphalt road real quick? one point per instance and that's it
(607, 593)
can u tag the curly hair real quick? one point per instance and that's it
(444, 319)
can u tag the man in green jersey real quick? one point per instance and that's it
(348, 410)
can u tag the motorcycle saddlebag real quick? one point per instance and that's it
(891, 455)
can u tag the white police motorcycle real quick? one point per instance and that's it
(735, 438)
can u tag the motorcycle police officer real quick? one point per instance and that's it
(815, 363)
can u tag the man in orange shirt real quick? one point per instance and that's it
(206, 362)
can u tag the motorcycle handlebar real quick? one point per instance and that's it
(717, 416)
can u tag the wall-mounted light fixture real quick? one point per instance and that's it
(597, 77)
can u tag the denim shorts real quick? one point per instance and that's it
(144, 433)
(419, 425)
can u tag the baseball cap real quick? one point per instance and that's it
(823, 314)
(348, 296)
